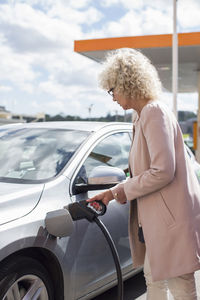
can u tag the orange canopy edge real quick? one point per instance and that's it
(145, 41)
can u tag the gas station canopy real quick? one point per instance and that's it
(158, 48)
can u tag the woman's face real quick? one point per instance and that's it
(129, 103)
(124, 102)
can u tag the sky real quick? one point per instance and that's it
(41, 73)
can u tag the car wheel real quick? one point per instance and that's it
(25, 278)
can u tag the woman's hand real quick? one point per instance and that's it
(105, 197)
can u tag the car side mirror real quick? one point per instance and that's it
(100, 178)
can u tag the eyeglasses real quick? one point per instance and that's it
(110, 92)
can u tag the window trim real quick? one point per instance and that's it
(98, 140)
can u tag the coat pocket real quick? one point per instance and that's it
(164, 210)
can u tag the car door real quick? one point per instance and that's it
(94, 263)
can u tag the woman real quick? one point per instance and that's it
(163, 190)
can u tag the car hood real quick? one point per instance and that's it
(17, 200)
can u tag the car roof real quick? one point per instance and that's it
(73, 125)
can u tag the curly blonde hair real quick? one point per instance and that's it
(130, 74)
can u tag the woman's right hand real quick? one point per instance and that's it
(105, 197)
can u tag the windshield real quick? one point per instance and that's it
(36, 154)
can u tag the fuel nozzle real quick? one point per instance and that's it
(85, 210)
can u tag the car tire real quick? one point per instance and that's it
(25, 276)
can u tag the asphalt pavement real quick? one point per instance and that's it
(135, 289)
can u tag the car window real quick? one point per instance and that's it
(111, 151)
(36, 154)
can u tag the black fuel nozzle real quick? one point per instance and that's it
(85, 210)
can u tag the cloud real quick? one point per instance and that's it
(138, 4)
(71, 16)
(152, 17)
(188, 14)
(46, 4)
(5, 88)
(156, 21)
(37, 39)
(26, 20)
(77, 99)
(33, 43)
(28, 40)
(182, 101)
(16, 69)
(140, 20)
(127, 25)
(129, 4)
(78, 3)
(188, 102)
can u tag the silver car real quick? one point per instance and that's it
(44, 167)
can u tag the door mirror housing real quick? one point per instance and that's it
(100, 178)
(106, 175)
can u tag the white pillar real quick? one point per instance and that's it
(198, 122)
(175, 60)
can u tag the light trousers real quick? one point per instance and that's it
(181, 288)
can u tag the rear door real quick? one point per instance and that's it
(94, 263)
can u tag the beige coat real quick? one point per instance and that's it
(167, 193)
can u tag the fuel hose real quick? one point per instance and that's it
(114, 255)
(84, 210)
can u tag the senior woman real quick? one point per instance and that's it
(163, 191)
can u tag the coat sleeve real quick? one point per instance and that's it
(158, 131)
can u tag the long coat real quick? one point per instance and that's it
(164, 196)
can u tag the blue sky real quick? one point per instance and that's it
(39, 71)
